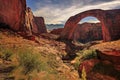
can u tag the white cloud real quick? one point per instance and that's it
(56, 15)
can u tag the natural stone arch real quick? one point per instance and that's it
(107, 19)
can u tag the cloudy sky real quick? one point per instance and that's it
(58, 11)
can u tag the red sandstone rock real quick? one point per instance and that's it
(88, 65)
(39, 23)
(34, 25)
(57, 31)
(12, 13)
(112, 56)
(110, 20)
(88, 32)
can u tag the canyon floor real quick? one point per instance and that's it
(49, 52)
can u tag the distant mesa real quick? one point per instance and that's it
(54, 26)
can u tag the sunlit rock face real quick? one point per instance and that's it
(18, 17)
(34, 25)
(12, 13)
(110, 21)
(88, 32)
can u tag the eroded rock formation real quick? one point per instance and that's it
(18, 17)
(12, 13)
(110, 20)
(88, 32)
(40, 23)
(34, 25)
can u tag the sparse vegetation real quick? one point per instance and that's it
(32, 64)
(29, 61)
(84, 55)
(6, 54)
(89, 54)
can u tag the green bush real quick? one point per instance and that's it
(29, 61)
(84, 55)
(89, 54)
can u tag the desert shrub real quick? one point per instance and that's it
(84, 55)
(88, 54)
(6, 54)
(77, 62)
(29, 61)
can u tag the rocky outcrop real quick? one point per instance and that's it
(88, 32)
(108, 51)
(57, 31)
(40, 23)
(88, 65)
(12, 13)
(34, 25)
(112, 55)
(110, 20)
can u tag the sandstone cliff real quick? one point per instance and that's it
(12, 13)
(34, 25)
(18, 17)
(40, 23)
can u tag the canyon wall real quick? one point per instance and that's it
(34, 25)
(18, 17)
(88, 32)
(12, 13)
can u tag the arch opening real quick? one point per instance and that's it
(88, 29)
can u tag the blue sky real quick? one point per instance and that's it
(58, 11)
